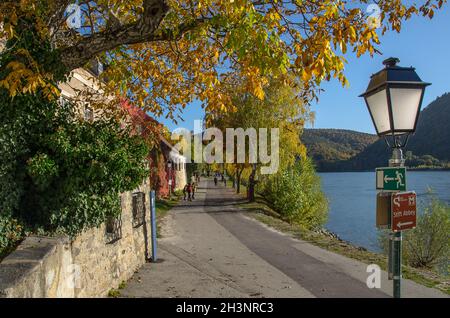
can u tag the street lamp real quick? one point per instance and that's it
(394, 98)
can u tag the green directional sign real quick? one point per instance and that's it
(391, 178)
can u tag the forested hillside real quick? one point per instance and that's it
(329, 147)
(344, 150)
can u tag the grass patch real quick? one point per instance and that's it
(162, 207)
(260, 211)
(122, 285)
(114, 293)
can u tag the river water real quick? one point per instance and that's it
(352, 198)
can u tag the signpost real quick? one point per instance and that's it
(390, 93)
(396, 210)
(391, 179)
(383, 217)
(403, 211)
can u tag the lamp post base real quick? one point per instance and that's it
(395, 258)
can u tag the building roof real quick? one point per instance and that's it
(140, 117)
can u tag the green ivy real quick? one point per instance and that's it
(57, 173)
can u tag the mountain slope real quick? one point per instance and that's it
(329, 147)
(430, 142)
(433, 130)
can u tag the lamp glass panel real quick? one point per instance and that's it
(405, 105)
(378, 107)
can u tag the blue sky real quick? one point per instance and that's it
(423, 43)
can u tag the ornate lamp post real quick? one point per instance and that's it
(394, 99)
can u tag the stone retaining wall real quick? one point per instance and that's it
(88, 266)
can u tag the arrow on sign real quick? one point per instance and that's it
(400, 224)
(387, 179)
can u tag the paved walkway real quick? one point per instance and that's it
(211, 249)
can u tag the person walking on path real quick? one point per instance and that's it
(185, 191)
(189, 191)
(215, 180)
(194, 187)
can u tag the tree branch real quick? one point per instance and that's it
(143, 30)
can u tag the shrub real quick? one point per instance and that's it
(11, 233)
(428, 245)
(57, 173)
(69, 174)
(296, 194)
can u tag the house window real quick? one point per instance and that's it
(88, 113)
(63, 101)
(113, 229)
(96, 67)
(100, 68)
(138, 209)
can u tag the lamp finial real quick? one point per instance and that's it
(391, 62)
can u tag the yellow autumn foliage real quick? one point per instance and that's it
(200, 46)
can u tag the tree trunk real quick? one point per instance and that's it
(238, 181)
(251, 185)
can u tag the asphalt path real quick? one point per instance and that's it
(212, 248)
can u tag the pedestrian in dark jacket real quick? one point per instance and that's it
(189, 191)
(185, 192)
